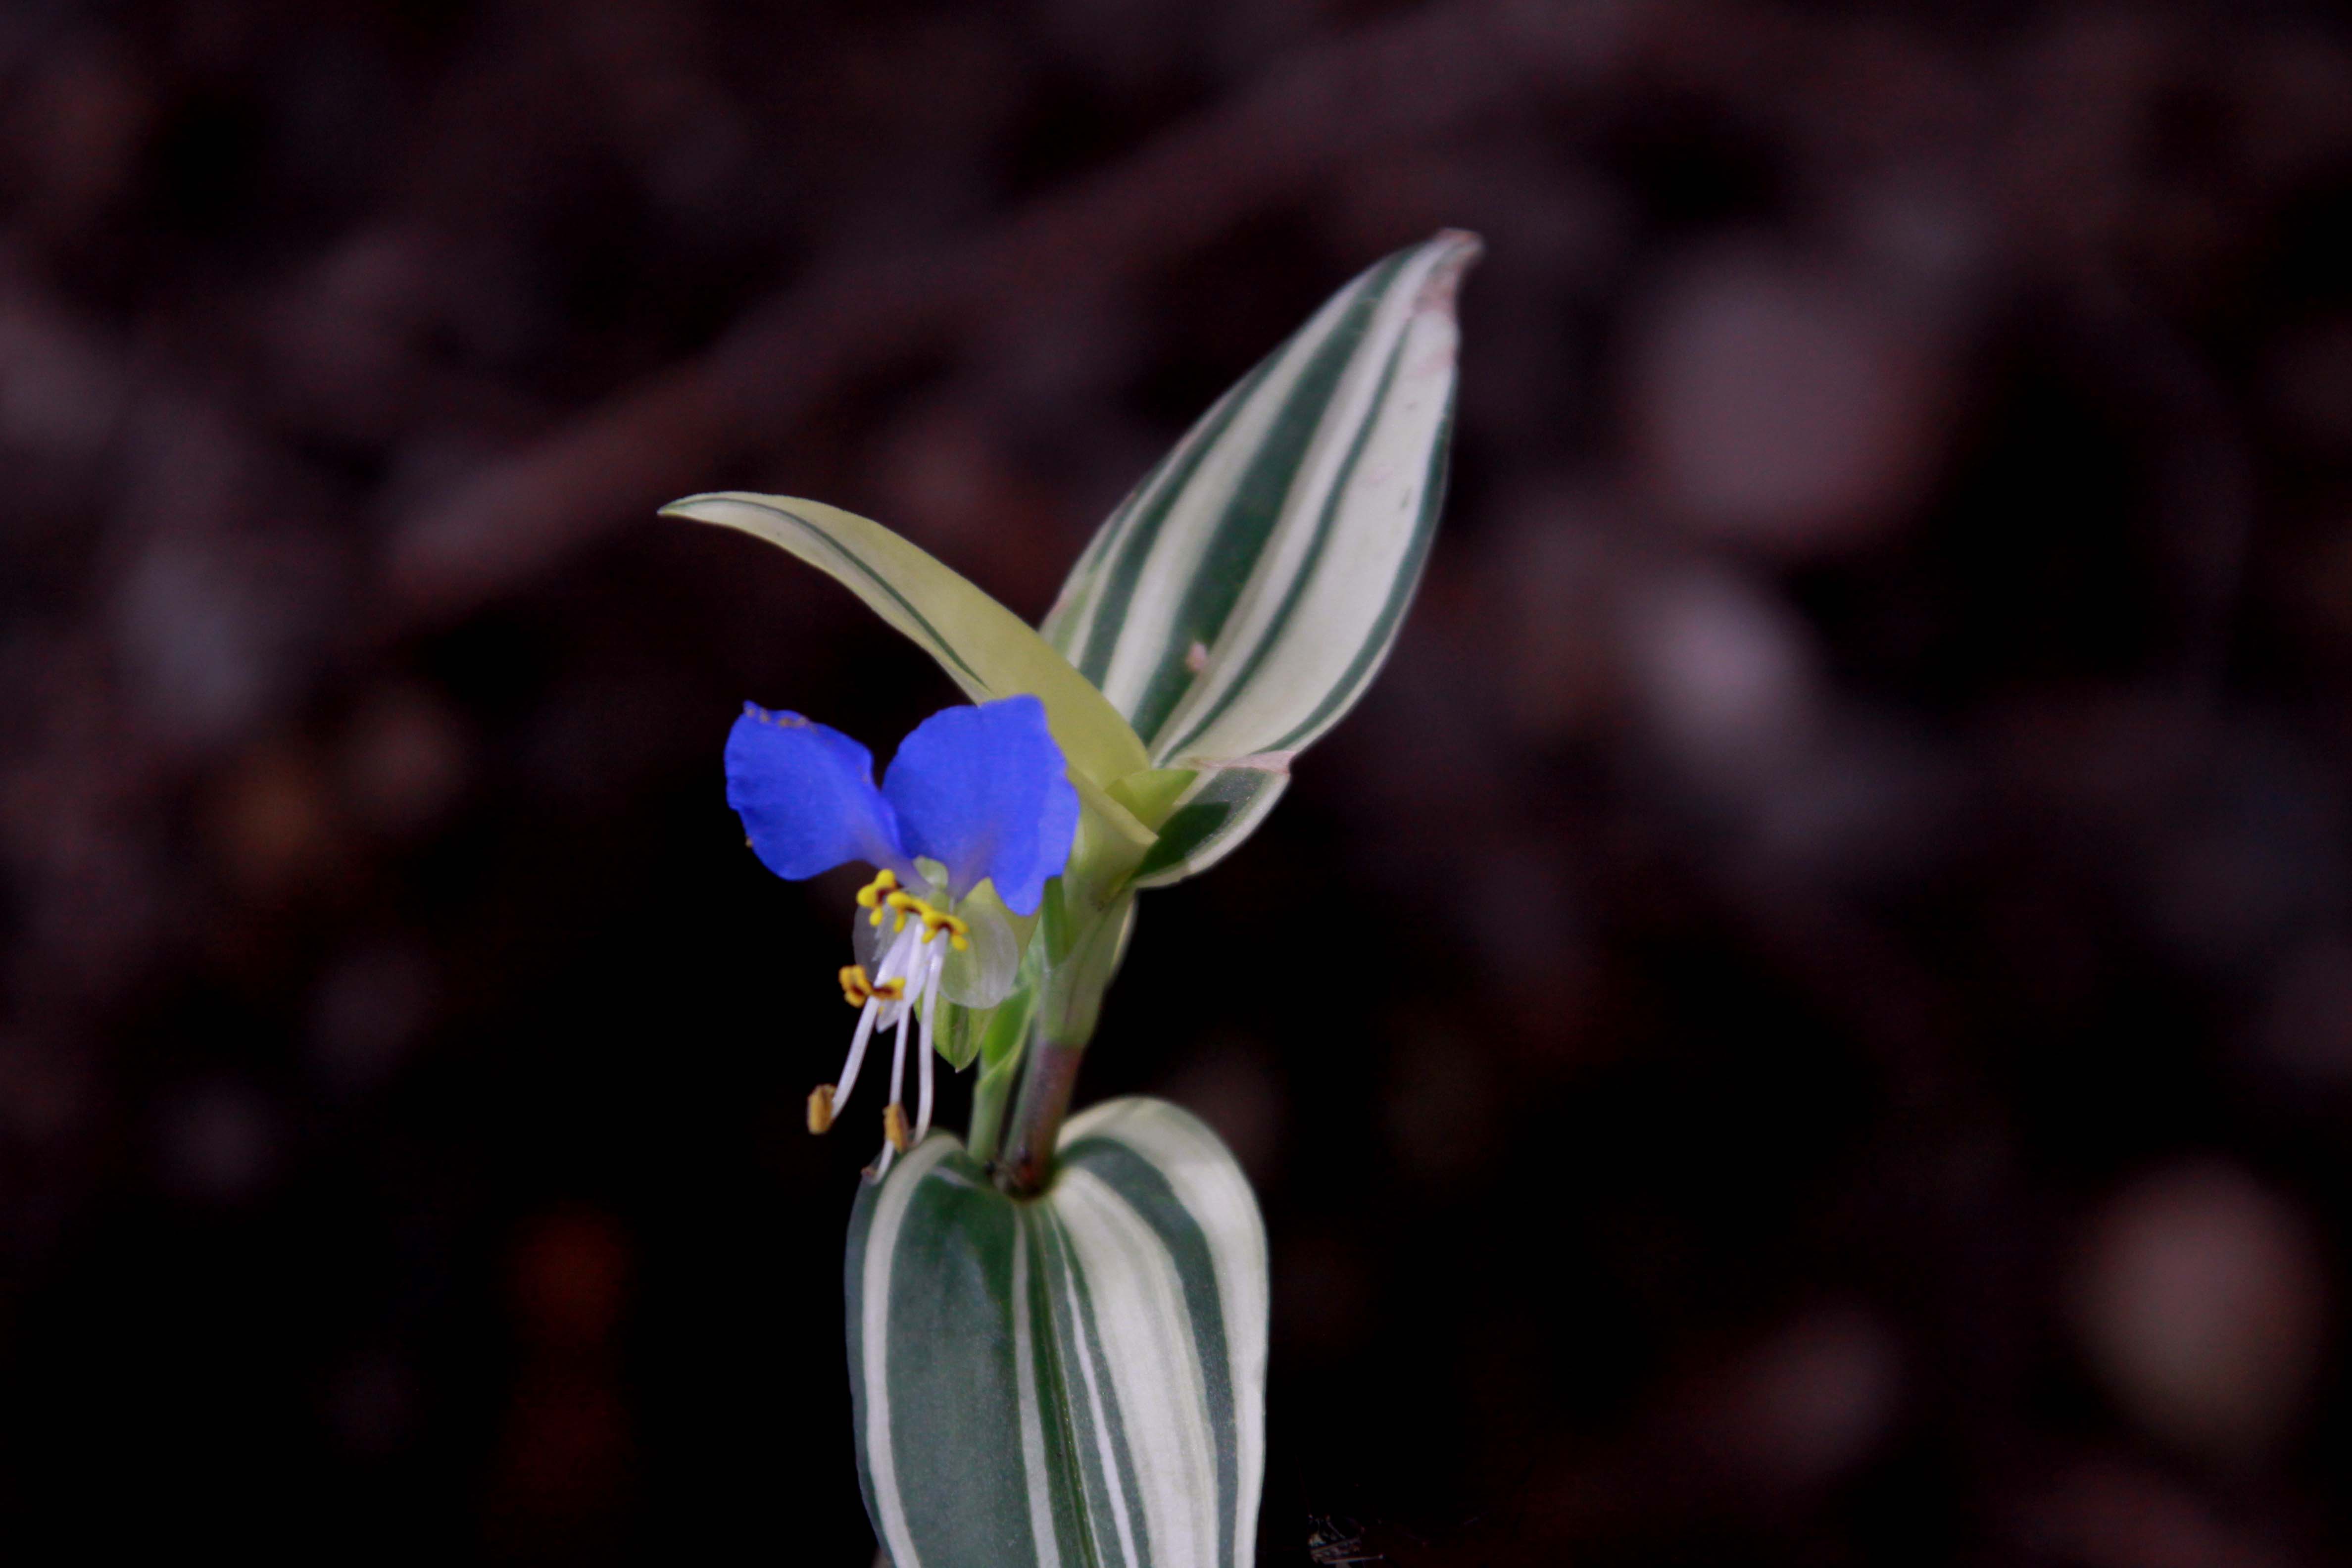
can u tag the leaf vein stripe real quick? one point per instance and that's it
(1258, 511)
(1326, 523)
(1375, 647)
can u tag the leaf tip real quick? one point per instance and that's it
(695, 508)
(1459, 250)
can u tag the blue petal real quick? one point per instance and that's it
(985, 792)
(806, 795)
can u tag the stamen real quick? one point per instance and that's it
(938, 921)
(869, 897)
(820, 1109)
(930, 1003)
(898, 1078)
(858, 991)
(857, 1050)
(907, 994)
(935, 920)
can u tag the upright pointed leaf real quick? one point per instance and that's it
(1074, 1380)
(985, 648)
(1240, 600)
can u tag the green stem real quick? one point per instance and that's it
(992, 1097)
(1001, 1046)
(1028, 1163)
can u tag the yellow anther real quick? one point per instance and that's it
(935, 920)
(871, 896)
(858, 990)
(821, 1108)
(938, 921)
(893, 1126)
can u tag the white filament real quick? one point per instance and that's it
(917, 956)
(930, 1004)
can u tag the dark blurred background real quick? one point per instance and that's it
(1808, 1018)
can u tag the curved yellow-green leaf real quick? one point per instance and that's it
(985, 648)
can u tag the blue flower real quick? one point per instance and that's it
(976, 795)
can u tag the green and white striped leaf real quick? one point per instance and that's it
(1240, 600)
(1076, 1381)
(985, 648)
(1224, 806)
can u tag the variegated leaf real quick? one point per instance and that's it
(1240, 600)
(1076, 1381)
(1223, 807)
